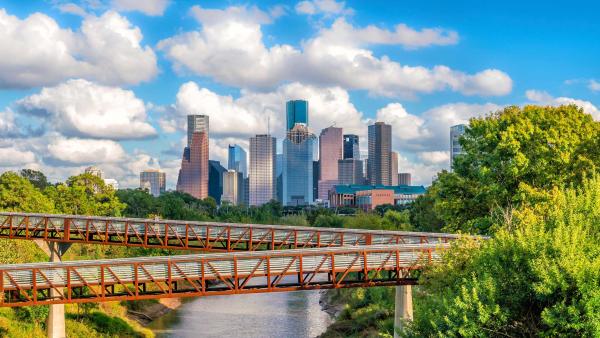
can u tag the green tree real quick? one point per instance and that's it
(540, 147)
(139, 202)
(37, 178)
(19, 194)
(423, 216)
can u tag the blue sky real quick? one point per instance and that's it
(108, 83)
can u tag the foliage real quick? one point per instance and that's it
(539, 147)
(423, 217)
(18, 194)
(539, 276)
(37, 178)
(329, 221)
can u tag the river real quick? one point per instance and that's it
(284, 314)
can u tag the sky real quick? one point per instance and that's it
(109, 82)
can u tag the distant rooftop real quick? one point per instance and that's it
(398, 189)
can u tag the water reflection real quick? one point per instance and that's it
(286, 314)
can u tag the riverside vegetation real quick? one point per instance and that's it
(528, 179)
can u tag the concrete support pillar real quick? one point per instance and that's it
(56, 317)
(403, 307)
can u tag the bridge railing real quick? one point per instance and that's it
(208, 236)
(213, 274)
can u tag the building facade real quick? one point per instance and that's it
(154, 181)
(215, 180)
(394, 167)
(351, 146)
(368, 197)
(298, 153)
(331, 149)
(262, 179)
(233, 187)
(350, 171)
(455, 148)
(404, 179)
(380, 149)
(95, 171)
(237, 160)
(193, 175)
(296, 111)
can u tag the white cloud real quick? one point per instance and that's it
(10, 157)
(148, 7)
(84, 109)
(72, 8)
(229, 48)
(594, 85)
(37, 51)
(434, 157)
(325, 7)
(85, 151)
(542, 97)
(8, 127)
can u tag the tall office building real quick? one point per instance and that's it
(350, 171)
(215, 180)
(298, 152)
(233, 187)
(262, 180)
(380, 149)
(351, 146)
(237, 160)
(94, 171)
(296, 111)
(455, 148)
(394, 167)
(153, 180)
(331, 147)
(404, 179)
(193, 175)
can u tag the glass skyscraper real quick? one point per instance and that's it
(238, 160)
(153, 180)
(193, 175)
(331, 144)
(298, 152)
(215, 180)
(380, 153)
(262, 179)
(351, 147)
(455, 148)
(296, 111)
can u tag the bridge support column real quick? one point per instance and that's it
(403, 307)
(55, 325)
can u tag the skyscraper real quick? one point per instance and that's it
(215, 180)
(331, 147)
(155, 181)
(455, 148)
(238, 160)
(404, 179)
(394, 167)
(351, 146)
(262, 169)
(380, 148)
(94, 171)
(233, 187)
(193, 175)
(350, 171)
(296, 111)
(298, 152)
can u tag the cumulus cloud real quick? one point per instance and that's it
(325, 7)
(434, 157)
(84, 109)
(544, 98)
(10, 157)
(72, 8)
(37, 51)
(594, 85)
(85, 151)
(336, 56)
(148, 7)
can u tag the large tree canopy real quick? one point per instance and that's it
(533, 146)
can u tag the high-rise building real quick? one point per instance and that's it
(296, 111)
(316, 174)
(262, 181)
(233, 187)
(298, 152)
(331, 147)
(394, 167)
(193, 175)
(94, 171)
(455, 148)
(215, 180)
(351, 146)
(380, 149)
(238, 160)
(350, 171)
(153, 180)
(279, 175)
(404, 179)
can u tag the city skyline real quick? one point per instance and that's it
(70, 104)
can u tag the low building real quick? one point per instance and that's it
(368, 197)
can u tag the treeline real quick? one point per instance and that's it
(529, 179)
